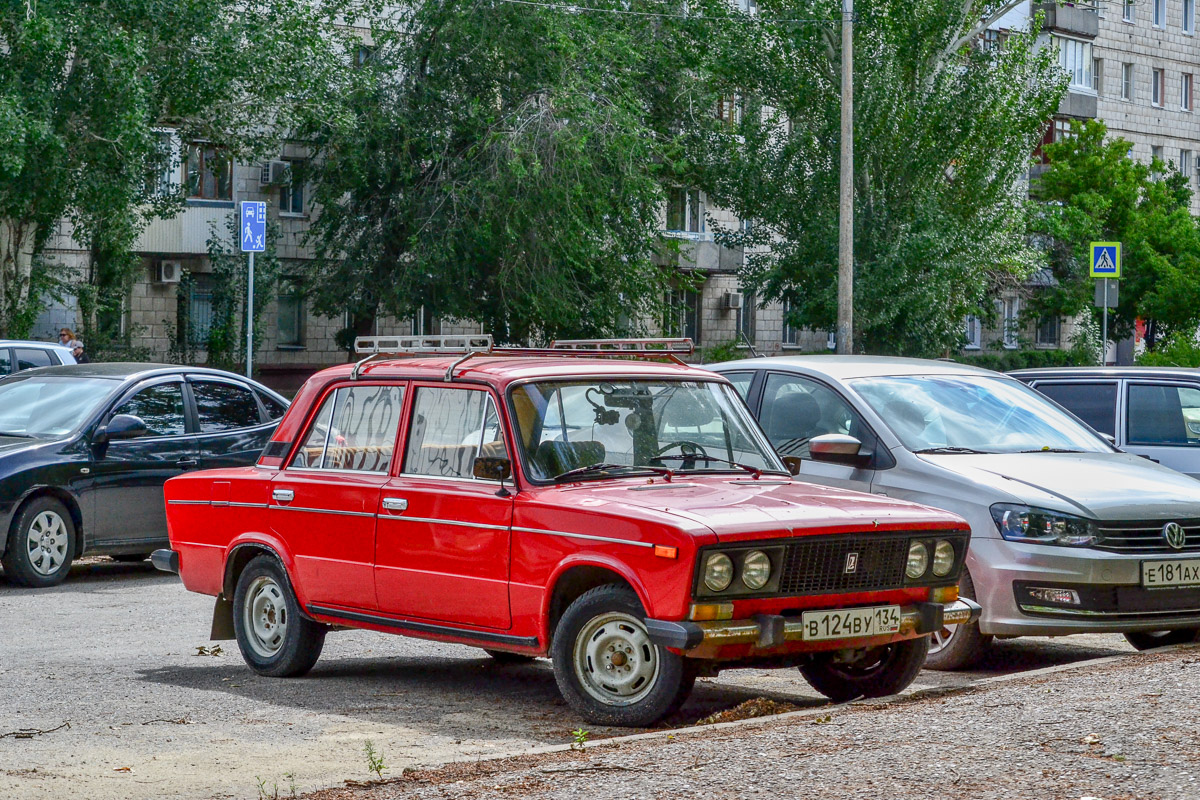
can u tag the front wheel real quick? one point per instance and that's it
(41, 544)
(873, 672)
(274, 638)
(607, 668)
(1147, 640)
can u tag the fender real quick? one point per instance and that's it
(222, 623)
(74, 507)
(591, 559)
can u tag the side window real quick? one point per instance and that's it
(450, 428)
(224, 407)
(160, 407)
(355, 429)
(795, 409)
(275, 409)
(1094, 403)
(30, 358)
(5, 361)
(1167, 415)
(741, 381)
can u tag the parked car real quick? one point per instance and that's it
(85, 449)
(1068, 535)
(627, 519)
(16, 355)
(1149, 411)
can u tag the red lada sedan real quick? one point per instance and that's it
(628, 519)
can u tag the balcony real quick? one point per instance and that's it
(1076, 20)
(702, 254)
(1078, 103)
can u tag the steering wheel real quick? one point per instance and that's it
(686, 448)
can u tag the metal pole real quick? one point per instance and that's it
(1104, 329)
(250, 320)
(845, 310)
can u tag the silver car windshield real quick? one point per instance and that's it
(605, 428)
(969, 413)
(50, 406)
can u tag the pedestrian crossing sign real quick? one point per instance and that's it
(1106, 259)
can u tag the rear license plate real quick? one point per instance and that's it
(1165, 574)
(845, 623)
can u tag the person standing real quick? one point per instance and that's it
(65, 337)
(81, 357)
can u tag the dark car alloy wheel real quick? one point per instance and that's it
(41, 544)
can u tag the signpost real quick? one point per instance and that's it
(252, 230)
(1106, 265)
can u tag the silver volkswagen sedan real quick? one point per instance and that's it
(1068, 534)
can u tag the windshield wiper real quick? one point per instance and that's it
(952, 449)
(755, 471)
(603, 467)
(17, 435)
(1051, 450)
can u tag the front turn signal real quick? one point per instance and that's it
(944, 594)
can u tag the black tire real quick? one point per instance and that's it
(604, 628)
(1147, 640)
(130, 558)
(275, 639)
(504, 657)
(958, 646)
(878, 672)
(41, 544)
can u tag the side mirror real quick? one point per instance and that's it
(837, 448)
(1108, 437)
(492, 469)
(793, 464)
(122, 426)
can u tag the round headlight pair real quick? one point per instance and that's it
(918, 559)
(719, 572)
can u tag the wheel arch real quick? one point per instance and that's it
(574, 578)
(61, 495)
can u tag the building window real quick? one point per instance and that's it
(1010, 318)
(208, 172)
(1098, 75)
(748, 7)
(1156, 155)
(290, 303)
(1127, 81)
(1047, 332)
(422, 323)
(1189, 16)
(199, 310)
(1157, 81)
(991, 40)
(1185, 92)
(291, 195)
(685, 211)
(747, 315)
(1127, 10)
(1076, 58)
(161, 171)
(683, 314)
(974, 333)
(728, 109)
(1185, 163)
(1062, 130)
(1160, 13)
(791, 333)
(831, 340)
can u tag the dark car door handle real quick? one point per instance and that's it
(187, 463)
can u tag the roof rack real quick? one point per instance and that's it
(683, 346)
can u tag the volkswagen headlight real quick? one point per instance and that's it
(1018, 523)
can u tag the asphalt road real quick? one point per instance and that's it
(104, 694)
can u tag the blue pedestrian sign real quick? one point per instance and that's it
(1106, 260)
(253, 226)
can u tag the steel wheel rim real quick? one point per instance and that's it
(615, 661)
(46, 542)
(942, 638)
(265, 616)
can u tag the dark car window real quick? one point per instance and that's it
(5, 361)
(275, 409)
(741, 381)
(28, 358)
(224, 407)
(1094, 403)
(160, 407)
(1161, 414)
(795, 409)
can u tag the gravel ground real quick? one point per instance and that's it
(1126, 728)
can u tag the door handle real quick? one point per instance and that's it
(186, 463)
(283, 495)
(395, 504)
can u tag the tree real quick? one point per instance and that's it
(944, 130)
(499, 163)
(1094, 191)
(86, 86)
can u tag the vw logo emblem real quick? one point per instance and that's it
(851, 562)
(1175, 535)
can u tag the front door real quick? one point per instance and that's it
(442, 550)
(323, 503)
(1162, 422)
(128, 474)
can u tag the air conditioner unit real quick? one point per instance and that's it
(275, 173)
(168, 272)
(732, 301)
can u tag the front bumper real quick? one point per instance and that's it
(770, 631)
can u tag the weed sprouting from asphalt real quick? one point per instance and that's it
(374, 759)
(581, 737)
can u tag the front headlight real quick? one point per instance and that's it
(918, 560)
(756, 570)
(718, 572)
(943, 558)
(1018, 523)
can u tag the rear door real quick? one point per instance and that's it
(232, 427)
(30, 357)
(1162, 422)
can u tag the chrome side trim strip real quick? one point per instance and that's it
(249, 505)
(189, 502)
(1122, 615)
(584, 536)
(432, 521)
(323, 511)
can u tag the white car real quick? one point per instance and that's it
(1068, 535)
(16, 355)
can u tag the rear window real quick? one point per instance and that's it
(224, 407)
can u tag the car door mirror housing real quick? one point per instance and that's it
(492, 469)
(838, 448)
(122, 426)
(793, 464)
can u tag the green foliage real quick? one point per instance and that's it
(1093, 191)
(1177, 350)
(723, 351)
(579, 738)
(374, 759)
(943, 132)
(1006, 360)
(226, 342)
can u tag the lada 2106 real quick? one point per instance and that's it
(626, 518)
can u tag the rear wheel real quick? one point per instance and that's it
(1147, 640)
(874, 672)
(41, 544)
(274, 638)
(958, 646)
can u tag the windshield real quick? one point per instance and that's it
(49, 406)
(636, 426)
(969, 413)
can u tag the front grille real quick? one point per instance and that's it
(818, 565)
(1146, 536)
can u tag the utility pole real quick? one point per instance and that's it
(845, 311)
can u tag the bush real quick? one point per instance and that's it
(1177, 350)
(1007, 360)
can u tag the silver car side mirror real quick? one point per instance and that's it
(837, 448)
